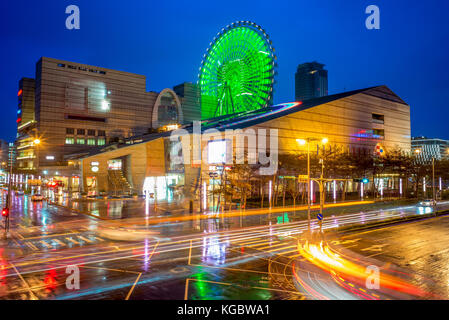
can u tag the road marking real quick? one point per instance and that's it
(190, 252)
(186, 291)
(73, 241)
(33, 297)
(45, 244)
(290, 251)
(374, 247)
(281, 248)
(263, 243)
(59, 242)
(50, 235)
(85, 239)
(238, 241)
(271, 246)
(99, 239)
(132, 288)
(32, 246)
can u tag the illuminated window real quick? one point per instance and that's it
(379, 132)
(80, 141)
(101, 141)
(90, 142)
(105, 105)
(69, 140)
(378, 118)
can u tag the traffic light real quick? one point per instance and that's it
(365, 180)
(5, 212)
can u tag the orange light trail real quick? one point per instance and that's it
(323, 257)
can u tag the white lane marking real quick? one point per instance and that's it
(45, 244)
(72, 240)
(85, 239)
(62, 244)
(283, 248)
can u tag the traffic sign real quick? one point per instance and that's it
(319, 216)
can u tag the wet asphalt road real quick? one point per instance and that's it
(420, 249)
(210, 262)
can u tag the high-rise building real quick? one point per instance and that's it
(427, 148)
(4, 154)
(310, 81)
(190, 100)
(71, 108)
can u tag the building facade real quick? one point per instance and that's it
(310, 81)
(356, 122)
(71, 108)
(427, 148)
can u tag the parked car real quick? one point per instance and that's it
(37, 197)
(427, 203)
(20, 192)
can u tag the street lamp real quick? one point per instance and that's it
(418, 151)
(303, 142)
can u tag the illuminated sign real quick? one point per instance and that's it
(216, 151)
(115, 164)
(94, 169)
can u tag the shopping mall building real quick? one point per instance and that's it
(70, 108)
(360, 122)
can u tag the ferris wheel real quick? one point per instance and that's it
(237, 71)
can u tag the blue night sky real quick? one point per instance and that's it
(165, 40)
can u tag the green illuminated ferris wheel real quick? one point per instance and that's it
(237, 71)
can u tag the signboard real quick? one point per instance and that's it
(319, 216)
(302, 177)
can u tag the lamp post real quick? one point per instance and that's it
(303, 142)
(418, 151)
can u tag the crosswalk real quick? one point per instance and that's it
(286, 249)
(60, 242)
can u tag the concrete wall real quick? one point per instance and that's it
(144, 159)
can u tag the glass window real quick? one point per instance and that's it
(80, 131)
(80, 141)
(378, 118)
(90, 132)
(379, 132)
(101, 133)
(69, 140)
(101, 141)
(70, 130)
(90, 142)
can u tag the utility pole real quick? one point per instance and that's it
(308, 186)
(5, 211)
(321, 193)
